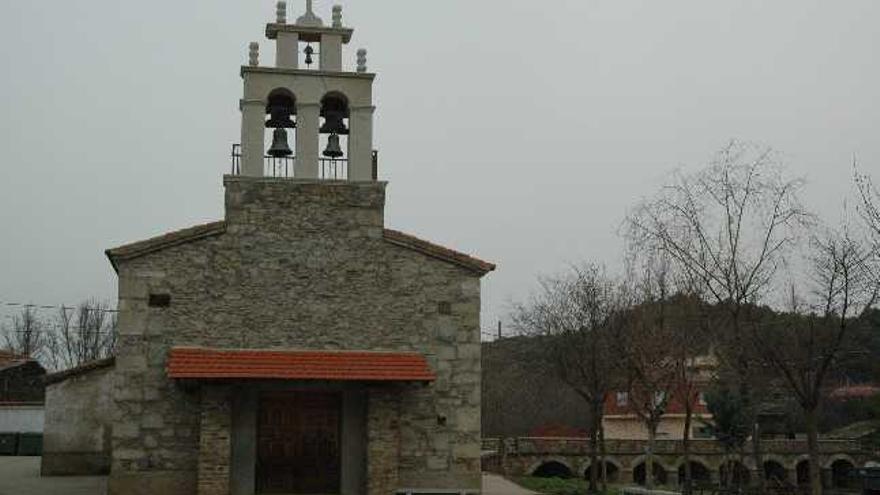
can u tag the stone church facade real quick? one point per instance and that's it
(298, 345)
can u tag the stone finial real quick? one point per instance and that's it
(254, 54)
(281, 12)
(309, 18)
(337, 16)
(362, 60)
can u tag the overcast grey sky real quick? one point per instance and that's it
(518, 130)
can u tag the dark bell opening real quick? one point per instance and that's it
(335, 110)
(281, 106)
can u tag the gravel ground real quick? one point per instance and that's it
(21, 476)
(496, 485)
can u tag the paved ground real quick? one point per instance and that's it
(21, 476)
(496, 485)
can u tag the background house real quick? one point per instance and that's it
(21, 404)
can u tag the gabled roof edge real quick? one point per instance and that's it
(82, 369)
(153, 244)
(177, 237)
(437, 251)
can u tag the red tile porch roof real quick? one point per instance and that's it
(207, 363)
(140, 248)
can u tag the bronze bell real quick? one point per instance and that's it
(333, 149)
(279, 117)
(333, 123)
(279, 147)
(309, 51)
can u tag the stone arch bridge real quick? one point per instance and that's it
(784, 461)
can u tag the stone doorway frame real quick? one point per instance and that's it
(299, 411)
(243, 414)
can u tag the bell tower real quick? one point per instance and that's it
(308, 99)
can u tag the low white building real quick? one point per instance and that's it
(22, 395)
(21, 418)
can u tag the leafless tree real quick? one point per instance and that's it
(645, 342)
(26, 335)
(690, 352)
(83, 334)
(576, 314)
(804, 343)
(730, 227)
(870, 203)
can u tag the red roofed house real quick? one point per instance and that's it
(298, 345)
(621, 422)
(21, 398)
(854, 391)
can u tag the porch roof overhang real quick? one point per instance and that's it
(200, 363)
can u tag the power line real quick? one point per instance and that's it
(51, 306)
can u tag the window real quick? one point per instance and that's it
(622, 398)
(444, 308)
(159, 300)
(659, 397)
(702, 432)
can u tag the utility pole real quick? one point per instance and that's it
(499, 329)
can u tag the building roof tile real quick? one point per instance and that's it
(207, 363)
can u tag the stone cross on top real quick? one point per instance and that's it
(319, 106)
(309, 18)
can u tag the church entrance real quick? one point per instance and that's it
(298, 443)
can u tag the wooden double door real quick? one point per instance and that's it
(298, 443)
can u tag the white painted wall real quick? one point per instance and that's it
(21, 419)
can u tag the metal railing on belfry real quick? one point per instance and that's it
(278, 166)
(283, 167)
(273, 166)
(333, 168)
(236, 159)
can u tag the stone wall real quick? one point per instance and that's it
(214, 441)
(522, 456)
(77, 429)
(383, 441)
(301, 265)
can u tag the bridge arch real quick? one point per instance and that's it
(748, 462)
(701, 470)
(613, 469)
(838, 457)
(734, 472)
(551, 467)
(775, 470)
(640, 467)
(841, 467)
(679, 462)
(802, 470)
(778, 459)
(658, 461)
